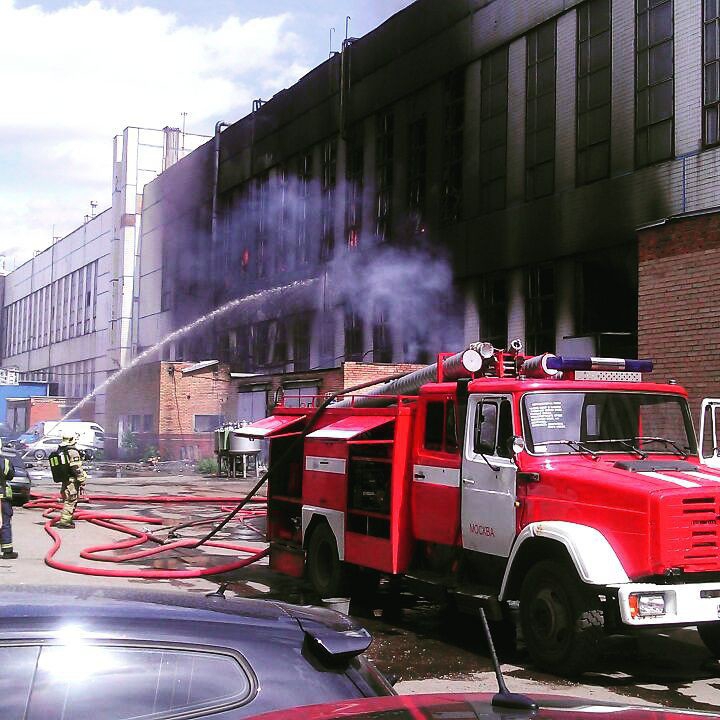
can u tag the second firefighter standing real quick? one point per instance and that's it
(7, 473)
(67, 469)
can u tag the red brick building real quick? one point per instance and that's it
(679, 287)
(175, 406)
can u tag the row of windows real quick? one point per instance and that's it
(271, 221)
(59, 311)
(610, 319)
(274, 344)
(75, 379)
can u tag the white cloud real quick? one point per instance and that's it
(74, 78)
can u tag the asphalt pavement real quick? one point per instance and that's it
(423, 648)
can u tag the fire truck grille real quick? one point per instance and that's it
(699, 533)
(688, 534)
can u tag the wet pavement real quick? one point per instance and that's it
(426, 648)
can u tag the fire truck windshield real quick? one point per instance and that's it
(603, 422)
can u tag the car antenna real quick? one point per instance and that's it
(219, 593)
(504, 698)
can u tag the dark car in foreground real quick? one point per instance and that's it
(479, 706)
(21, 483)
(73, 653)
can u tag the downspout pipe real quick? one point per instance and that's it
(216, 179)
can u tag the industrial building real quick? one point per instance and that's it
(67, 313)
(470, 169)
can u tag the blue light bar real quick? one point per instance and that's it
(560, 362)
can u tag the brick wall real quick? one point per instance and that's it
(331, 380)
(679, 281)
(172, 399)
(356, 373)
(181, 398)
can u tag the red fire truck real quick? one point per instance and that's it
(569, 485)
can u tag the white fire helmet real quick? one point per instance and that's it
(68, 438)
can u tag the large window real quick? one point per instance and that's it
(354, 178)
(262, 200)
(382, 336)
(384, 153)
(327, 208)
(205, 423)
(417, 174)
(492, 309)
(653, 81)
(711, 72)
(304, 209)
(453, 124)
(540, 112)
(353, 335)
(493, 129)
(540, 309)
(594, 84)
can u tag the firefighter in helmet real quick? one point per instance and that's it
(67, 469)
(7, 473)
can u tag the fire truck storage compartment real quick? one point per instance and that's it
(369, 471)
(285, 489)
(348, 465)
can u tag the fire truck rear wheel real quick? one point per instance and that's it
(562, 630)
(326, 572)
(710, 635)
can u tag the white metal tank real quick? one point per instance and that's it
(243, 445)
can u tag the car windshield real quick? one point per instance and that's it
(602, 422)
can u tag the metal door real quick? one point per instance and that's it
(488, 483)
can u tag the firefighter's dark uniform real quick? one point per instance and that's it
(66, 467)
(7, 473)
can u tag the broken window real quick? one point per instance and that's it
(382, 338)
(384, 154)
(327, 207)
(353, 335)
(354, 177)
(304, 208)
(417, 174)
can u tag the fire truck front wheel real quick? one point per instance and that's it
(326, 572)
(562, 630)
(710, 635)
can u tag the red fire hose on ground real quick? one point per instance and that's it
(116, 522)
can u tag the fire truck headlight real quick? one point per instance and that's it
(647, 604)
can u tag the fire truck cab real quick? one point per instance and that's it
(568, 485)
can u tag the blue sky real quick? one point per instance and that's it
(76, 73)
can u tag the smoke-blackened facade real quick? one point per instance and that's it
(469, 169)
